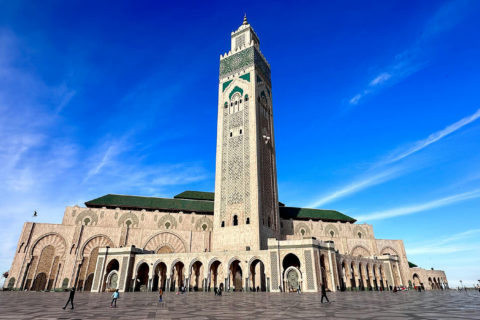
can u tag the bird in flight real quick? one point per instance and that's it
(35, 214)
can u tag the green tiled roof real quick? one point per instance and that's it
(196, 195)
(412, 265)
(202, 202)
(151, 203)
(314, 214)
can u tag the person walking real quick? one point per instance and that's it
(70, 298)
(160, 295)
(324, 293)
(299, 291)
(115, 296)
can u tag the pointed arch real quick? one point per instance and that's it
(95, 241)
(388, 249)
(53, 239)
(162, 239)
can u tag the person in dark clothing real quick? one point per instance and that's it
(70, 299)
(324, 293)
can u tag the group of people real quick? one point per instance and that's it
(113, 304)
(218, 292)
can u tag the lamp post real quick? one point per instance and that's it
(461, 285)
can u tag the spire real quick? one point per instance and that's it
(245, 22)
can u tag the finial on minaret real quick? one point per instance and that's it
(245, 22)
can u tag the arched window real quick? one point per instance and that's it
(235, 220)
(248, 221)
(332, 233)
(128, 223)
(86, 221)
(359, 235)
(223, 224)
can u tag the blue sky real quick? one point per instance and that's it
(376, 109)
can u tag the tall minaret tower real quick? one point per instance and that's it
(246, 195)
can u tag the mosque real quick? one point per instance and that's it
(240, 237)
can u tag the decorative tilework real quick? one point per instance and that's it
(274, 263)
(123, 273)
(246, 77)
(244, 59)
(97, 273)
(226, 84)
(236, 89)
(309, 269)
(237, 61)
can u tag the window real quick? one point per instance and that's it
(204, 227)
(235, 220)
(332, 233)
(223, 224)
(86, 221)
(246, 97)
(248, 221)
(167, 225)
(128, 223)
(240, 131)
(240, 101)
(302, 232)
(231, 133)
(360, 235)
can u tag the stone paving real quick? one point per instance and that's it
(344, 305)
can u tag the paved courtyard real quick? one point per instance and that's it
(346, 305)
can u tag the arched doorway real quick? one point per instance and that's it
(112, 266)
(257, 276)
(216, 276)
(291, 272)
(416, 280)
(40, 282)
(235, 276)
(178, 278)
(141, 283)
(292, 279)
(159, 277)
(196, 278)
(343, 277)
(89, 254)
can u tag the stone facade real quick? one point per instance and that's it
(240, 238)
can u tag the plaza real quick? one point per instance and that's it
(447, 304)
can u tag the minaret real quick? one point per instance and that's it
(246, 196)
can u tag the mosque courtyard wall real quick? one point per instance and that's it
(54, 256)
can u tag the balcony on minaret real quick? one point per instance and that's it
(244, 37)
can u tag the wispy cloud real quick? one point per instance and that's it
(432, 138)
(379, 173)
(458, 242)
(401, 211)
(357, 186)
(413, 59)
(112, 149)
